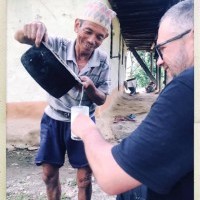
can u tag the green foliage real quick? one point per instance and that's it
(135, 70)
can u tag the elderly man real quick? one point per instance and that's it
(159, 153)
(84, 57)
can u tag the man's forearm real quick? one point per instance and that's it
(98, 152)
(96, 96)
(110, 176)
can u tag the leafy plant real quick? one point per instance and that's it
(135, 70)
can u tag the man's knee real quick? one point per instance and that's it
(50, 175)
(84, 177)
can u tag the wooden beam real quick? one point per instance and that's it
(143, 65)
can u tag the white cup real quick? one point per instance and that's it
(75, 110)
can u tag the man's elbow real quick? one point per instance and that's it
(108, 187)
(113, 186)
(102, 100)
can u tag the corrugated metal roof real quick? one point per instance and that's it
(139, 20)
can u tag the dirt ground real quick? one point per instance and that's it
(24, 178)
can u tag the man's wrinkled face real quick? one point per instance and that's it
(174, 55)
(89, 35)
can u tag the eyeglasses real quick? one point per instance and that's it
(157, 47)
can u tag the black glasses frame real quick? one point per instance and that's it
(157, 47)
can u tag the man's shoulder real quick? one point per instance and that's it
(188, 72)
(102, 55)
(186, 77)
(181, 87)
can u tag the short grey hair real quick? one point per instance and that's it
(181, 16)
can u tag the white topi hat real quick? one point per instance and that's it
(99, 13)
